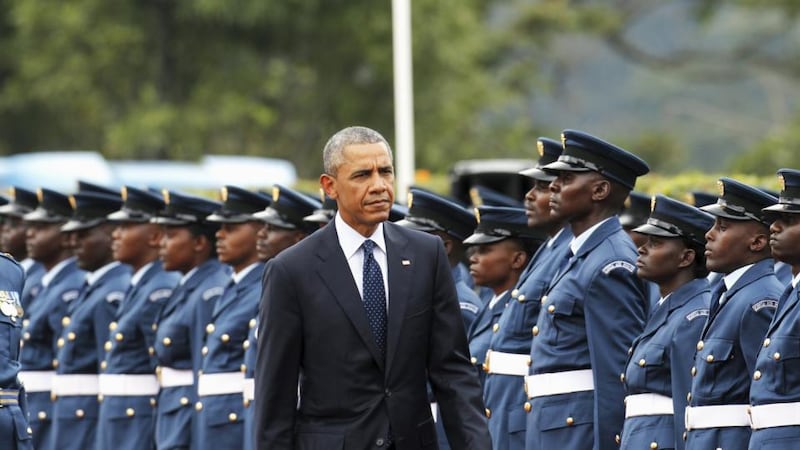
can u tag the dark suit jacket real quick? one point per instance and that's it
(313, 328)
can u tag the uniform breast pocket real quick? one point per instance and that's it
(10, 334)
(648, 369)
(711, 361)
(785, 353)
(562, 321)
(528, 311)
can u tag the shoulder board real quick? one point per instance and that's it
(215, 291)
(469, 307)
(618, 265)
(70, 295)
(115, 296)
(765, 304)
(160, 294)
(697, 313)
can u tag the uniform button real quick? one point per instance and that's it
(527, 407)
(689, 397)
(71, 336)
(112, 326)
(515, 292)
(65, 321)
(204, 350)
(246, 403)
(55, 363)
(485, 367)
(529, 361)
(642, 362)
(154, 326)
(29, 430)
(53, 397)
(79, 413)
(232, 417)
(622, 377)
(685, 435)
(119, 337)
(153, 402)
(551, 309)
(246, 345)
(42, 415)
(107, 346)
(243, 368)
(103, 365)
(495, 327)
(694, 371)
(473, 360)
(710, 358)
(488, 413)
(225, 338)
(617, 439)
(570, 421)
(198, 406)
(521, 298)
(654, 445)
(184, 401)
(700, 345)
(766, 342)
(757, 375)
(544, 299)
(252, 323)
(210, 328)
(166, 341)
(776, 356)
(151, 351)
(60, 342)
(130, 412)
(535, 330)
(26, 336)
(26, 322)
(100, 397)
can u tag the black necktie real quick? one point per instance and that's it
(374, 296)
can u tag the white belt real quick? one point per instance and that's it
(169, 377)
(249, 392)
(37, 380)
(545, 384)
(434, 409)
(128, 385)
(717, 416)
(775, 415)
(648, 405)
(507, 363)
(220, 383)
(75, 384)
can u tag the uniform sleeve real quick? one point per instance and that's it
(280, 343)
(752, 329)
(615, 311)
(452, 378)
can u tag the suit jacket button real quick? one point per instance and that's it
(379, 442)
(388, 393)
(488, 413)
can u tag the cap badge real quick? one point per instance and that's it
(72, 202)
(276, 194)
(410, 199)
(782, 182)
(721, 188)
(223, 194)
(477, 215)
(123, 192)
(540, 148)
(652, 203)
(165, 194)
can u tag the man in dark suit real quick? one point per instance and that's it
(362, 364)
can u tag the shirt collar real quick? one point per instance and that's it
(137, 277)
(48, 277)
(239, 276)
(188, 275)
(578, 241)
(796, 280)
(92, 277)
(27, 263)
(552, 240)
(731, 278)
(351, 240)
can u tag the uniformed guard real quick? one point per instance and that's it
(508, 358)
(60, 285)
(775, 389)
(285, 224)
(14, 231)
(593, 308)
(80, 346)
(324, 213)
(15, 434)
(128, 384)
(188, 247)
(742, 306)
(220, 385)
(657, 374)
(500, 248)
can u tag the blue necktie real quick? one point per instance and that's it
(374, 296)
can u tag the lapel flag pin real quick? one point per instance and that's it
(405, 262)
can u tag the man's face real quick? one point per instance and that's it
(236, 244)
(363, 186)
(93, 246)
(12, 237)
(728, 244)
(537, 204)
(178, 249)
(44, 242)
(132, 241)
(273, 240)
(784, 238)
(571, 194)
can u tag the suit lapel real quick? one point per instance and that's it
(400, 263)
(335, 273)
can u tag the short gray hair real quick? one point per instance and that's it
(332, 154)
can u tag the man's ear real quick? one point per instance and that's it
(687, 258)
(156, 233)
(328, 184)
(759, 242)
(601, 189)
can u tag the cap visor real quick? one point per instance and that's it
(123, 216)
(13, 210)
(481, 238)
(415, 226)
(169, 221)
(40, 215)
(317, 218)
(717, 210)
(236, 218)
(652, 230)
(538, 174)
(782, 208)
(76, 225)
(561, 166)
